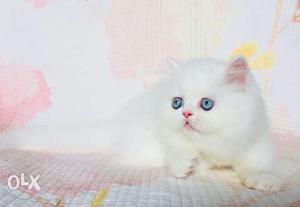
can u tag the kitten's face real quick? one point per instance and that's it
(204, 96)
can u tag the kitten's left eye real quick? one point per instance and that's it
(177, 102)
(207, 104)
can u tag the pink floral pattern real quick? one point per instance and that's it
(23, 93)
(39, 3)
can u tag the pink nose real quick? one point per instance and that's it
(187, 114)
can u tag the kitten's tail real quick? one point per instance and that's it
(63, 138)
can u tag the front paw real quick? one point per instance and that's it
(263, 182)
(182, 166)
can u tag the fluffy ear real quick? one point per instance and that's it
(172, 63)
(237, 70)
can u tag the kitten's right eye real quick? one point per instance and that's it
(177, 102)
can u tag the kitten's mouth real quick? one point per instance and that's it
(188, 126)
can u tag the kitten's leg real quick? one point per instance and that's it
(203, 167)
(257, 169)
(180, 155)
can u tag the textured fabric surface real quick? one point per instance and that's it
(96, 180)
(65, 61)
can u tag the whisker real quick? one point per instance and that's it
(196, 125)
(197, 121)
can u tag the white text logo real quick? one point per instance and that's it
(14, 181)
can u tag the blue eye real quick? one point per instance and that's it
(177, 102)
(207, 104)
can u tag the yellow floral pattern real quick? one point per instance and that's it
(265, 61)
(262, 62)
(99, 198)
(247, 49)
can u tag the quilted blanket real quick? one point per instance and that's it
(60, 180)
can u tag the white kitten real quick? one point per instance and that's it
(206, 112)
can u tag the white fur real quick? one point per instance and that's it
(149, 132)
